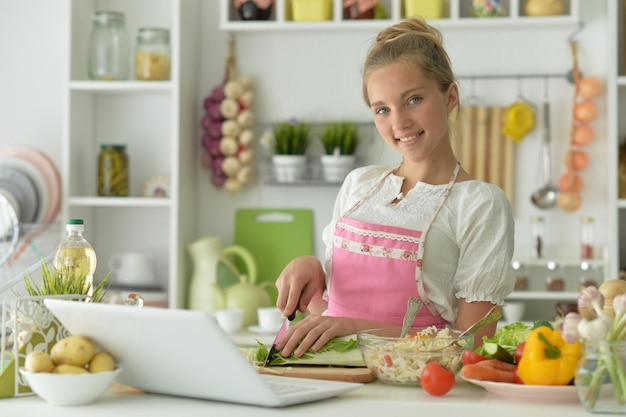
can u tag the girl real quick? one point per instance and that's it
(422, 229)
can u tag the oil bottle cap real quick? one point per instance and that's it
(74, 221)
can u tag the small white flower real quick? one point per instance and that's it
(267, 140)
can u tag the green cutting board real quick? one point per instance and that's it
(274, 237)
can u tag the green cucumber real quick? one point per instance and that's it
(495, 351)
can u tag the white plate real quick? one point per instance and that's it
(259, 329)
(529, 392)
(35, 176)
(47, 169)
(23, 190)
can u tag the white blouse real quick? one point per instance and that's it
(469, 245)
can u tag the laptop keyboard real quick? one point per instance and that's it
(286, 389)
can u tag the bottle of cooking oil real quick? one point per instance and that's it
(75, 258)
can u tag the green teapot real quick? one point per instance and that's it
(217, 283)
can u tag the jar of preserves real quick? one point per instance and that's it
(108, 47)
(152, 56)
(112, 171)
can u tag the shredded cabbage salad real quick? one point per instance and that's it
(402, 361)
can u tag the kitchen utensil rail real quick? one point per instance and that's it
(511, 76)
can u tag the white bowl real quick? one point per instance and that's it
(69, 389)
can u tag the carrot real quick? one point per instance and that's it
(488, 372)
(498, 364)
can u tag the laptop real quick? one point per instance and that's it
(184, 353)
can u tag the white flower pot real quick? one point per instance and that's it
(289, 168)
(336, 167)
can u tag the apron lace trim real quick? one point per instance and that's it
(374, 250)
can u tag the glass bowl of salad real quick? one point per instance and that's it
(400, 361)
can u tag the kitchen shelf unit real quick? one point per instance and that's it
(559, 261)
(156, 120)
(616, 105)
(457, 15)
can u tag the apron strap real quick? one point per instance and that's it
(419, 281)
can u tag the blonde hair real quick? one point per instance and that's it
(416, 43)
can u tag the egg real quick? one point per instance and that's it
(589, 87)
(582, 135)
(570, 181)
(585, 111)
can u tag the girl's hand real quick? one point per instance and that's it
(299, 283)
(314, 331)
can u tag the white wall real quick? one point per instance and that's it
(316, 76)
(31, 74)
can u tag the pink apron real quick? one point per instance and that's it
(376, 269)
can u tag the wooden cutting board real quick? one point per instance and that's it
(362, 375)
(274, 236)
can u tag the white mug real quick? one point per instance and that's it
(514, 311)
(132, 269)
(230, 319)
(270, 318)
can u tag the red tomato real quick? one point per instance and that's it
(437, 380)
(518, 352)
(471, 357)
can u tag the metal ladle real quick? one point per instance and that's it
(546, 196)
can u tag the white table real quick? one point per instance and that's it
(373, 399)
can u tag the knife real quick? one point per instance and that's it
(281, 332)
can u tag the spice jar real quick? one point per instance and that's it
(589, 276)
(108, 47)
(586, 237)
(555, 280)
(112, 171)
(521, 276)
(536, 235)
(152, 56)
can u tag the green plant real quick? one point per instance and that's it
(57, 283)
(291, 138)
(342, 135)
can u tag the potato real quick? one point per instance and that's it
(73, 350)
(101, 362)
(38, 361)
(69, 369)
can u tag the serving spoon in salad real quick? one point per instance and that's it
(413, 306)
(494, 314)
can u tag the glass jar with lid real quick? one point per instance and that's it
(112, 171)
(536, 236)
(152, 55)
(108, 47)
(586, 237)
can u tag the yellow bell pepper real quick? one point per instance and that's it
(547, 359)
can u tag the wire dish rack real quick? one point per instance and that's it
(36, 243)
